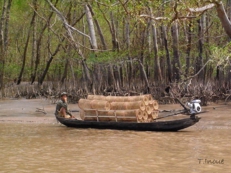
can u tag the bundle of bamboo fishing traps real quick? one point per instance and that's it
(119, 108)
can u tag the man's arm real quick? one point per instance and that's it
(68, 112)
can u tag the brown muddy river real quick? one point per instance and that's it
(34, 142)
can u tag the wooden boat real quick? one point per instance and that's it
(170, 125)
(173, 125)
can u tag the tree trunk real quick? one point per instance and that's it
(5, 17)
(142, 50)
(199, 63)
(156, 53)
(112, 80)
(2, 44)
(176, 59)
(24, 58)
(34, 40)
(96, 73)
(157, 68)
(42, 77)
(145, 77)
(169, 71)
(115, 42)
(188, 50)
(128, 45)
(104, 45)
(65, 71)
(223, 18)
(228, 8)
(91, 28)
(117, 78)
(27, 44)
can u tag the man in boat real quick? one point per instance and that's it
(61, 107)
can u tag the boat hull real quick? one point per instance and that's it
(173, 125)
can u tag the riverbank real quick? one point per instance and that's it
(29, 111)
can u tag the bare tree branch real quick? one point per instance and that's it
(69, 29)
(201, 9)
(154, 18)
(66, 25)
(190, 77)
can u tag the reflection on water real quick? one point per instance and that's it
(56, 148)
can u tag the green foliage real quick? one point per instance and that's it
(12, 70)
(105, 57)
(131, 11)
(220, 56)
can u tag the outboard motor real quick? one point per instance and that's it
(194, 106)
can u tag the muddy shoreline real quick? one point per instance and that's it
(39, 111)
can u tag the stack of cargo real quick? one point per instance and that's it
(119, 108)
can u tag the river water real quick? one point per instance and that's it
(28, 144)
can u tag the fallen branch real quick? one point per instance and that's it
(190, 77)
(41, 110)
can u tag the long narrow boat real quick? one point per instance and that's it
(173, 125)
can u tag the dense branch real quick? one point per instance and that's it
(69, 29)
(66, 25)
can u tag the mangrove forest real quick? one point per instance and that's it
(116, 47)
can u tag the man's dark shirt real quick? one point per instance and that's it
(59, 105)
